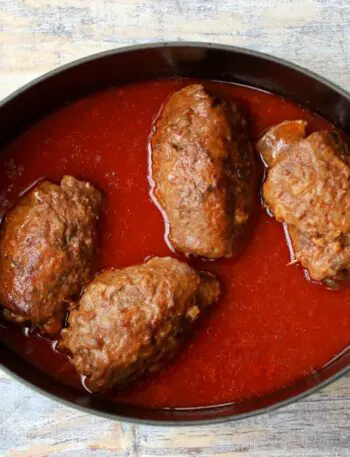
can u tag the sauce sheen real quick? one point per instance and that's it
(270, 327)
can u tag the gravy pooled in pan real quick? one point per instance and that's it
(47, 249)
(203, 172)
(131, 321)
(267, 329)
(308, 188)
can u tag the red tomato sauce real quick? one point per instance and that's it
(271, 325)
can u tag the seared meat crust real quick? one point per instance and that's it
(308, 188)
(203, 172)
(47, 250)
(131, 321)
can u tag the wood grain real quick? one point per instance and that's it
(38, 35)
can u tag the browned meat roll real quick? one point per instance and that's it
(47, 249)
(203, 172)
(130, 321)
(308, 188)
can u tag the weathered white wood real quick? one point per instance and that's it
(38, 35)
(33, 426)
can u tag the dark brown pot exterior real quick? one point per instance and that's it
(156, 61)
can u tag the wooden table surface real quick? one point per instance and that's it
(38, 35)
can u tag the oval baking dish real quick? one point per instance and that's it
(134, 64)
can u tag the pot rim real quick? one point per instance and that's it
(206, 46)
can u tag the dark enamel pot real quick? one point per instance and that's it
(195, 60)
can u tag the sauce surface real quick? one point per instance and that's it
(271, 325)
